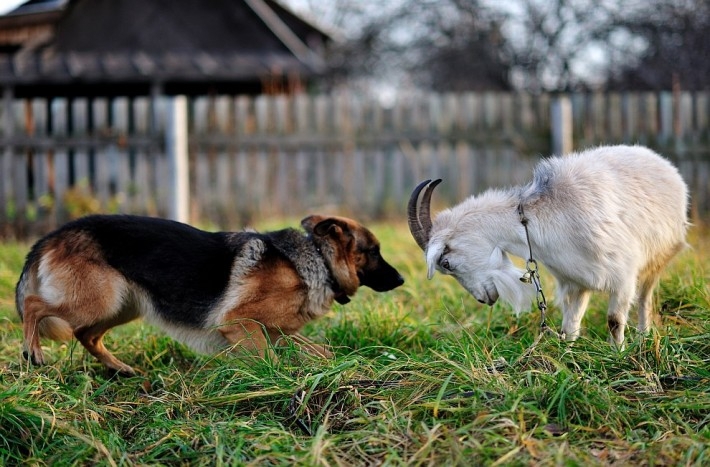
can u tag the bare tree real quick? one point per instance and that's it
(534, 45)
(674, 45)
(432, 44)
(556, 44)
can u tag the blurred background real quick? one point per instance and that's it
(297, 106)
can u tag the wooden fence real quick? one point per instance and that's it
(252, 158)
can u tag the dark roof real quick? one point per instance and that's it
(163, 40)
(38, 6)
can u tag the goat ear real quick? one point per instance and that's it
(433, 253)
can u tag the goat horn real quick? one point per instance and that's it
(418, 213)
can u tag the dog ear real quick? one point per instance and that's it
(324, 226)
(309, 223)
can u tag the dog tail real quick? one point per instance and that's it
(23, 283)
(56, 329)
(51, 327)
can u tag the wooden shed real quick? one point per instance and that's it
(155, 47)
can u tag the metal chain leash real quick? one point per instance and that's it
(531, 274)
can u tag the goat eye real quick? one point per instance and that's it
(445, 264)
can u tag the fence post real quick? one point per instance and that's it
(561, 122)
(6, 153)
(176, 148)
(666, 117)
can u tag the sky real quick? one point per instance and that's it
(7, 5)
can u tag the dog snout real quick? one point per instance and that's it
(383, 278)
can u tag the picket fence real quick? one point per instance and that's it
(252, 158)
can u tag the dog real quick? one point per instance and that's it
(209, 290)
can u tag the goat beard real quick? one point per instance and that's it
(512, 290)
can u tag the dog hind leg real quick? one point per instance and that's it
(91, 337)
(35, 310)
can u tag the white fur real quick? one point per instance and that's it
(607, 219)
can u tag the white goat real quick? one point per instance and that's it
(608, 219)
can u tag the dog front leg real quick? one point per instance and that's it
(248, 335)
(303, 343)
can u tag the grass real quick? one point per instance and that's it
(423, 375)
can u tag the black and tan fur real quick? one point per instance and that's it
(208, 290)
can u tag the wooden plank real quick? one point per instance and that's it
(282, 120)
(561, 123)
(379, 177)
(243, 177)
(244, 116)
(577, 100)
(435, 108)
(465, 172)
(321, 114)
(142, 192)
(684, 126)
(80, 123)
(648, 123)
(702, 112)
(262, 114)
(223, 194)
(491, 114)
(100, 126)
(614, 128)
(121, 163)
(629, 116)
(260, 183)
(665, 106)
(523, 118)
(399, 164)
(177, 161)
(60, 120)
(598, 118)
(302, 112)
(200, 192)
(143, 201)
(7, 130)
(321, 161)
(507, 112)
(224, 115)
(43, 199)
(302, 185)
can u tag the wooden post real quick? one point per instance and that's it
(666, 117)
(176, 147)
(561, 122)
(8, 130)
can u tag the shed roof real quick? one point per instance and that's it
(137, 41)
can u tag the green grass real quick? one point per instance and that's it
(423, 375)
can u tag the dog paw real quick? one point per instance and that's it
(34, 358)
